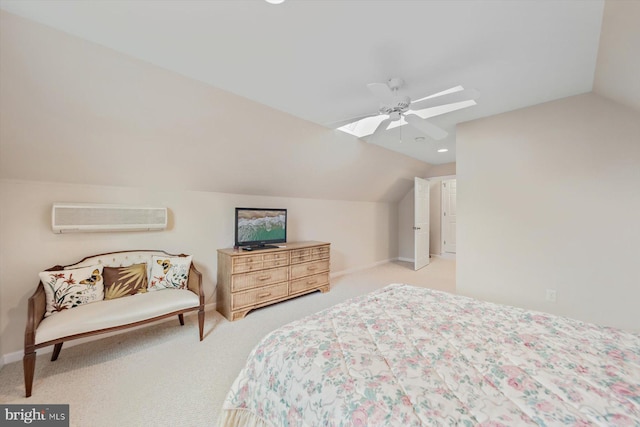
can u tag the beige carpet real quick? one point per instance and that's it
(162, 375)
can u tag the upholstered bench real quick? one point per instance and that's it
(123, 306)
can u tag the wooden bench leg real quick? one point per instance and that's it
(201, 322)
(56, 351)
(181, 319)
(29, 366)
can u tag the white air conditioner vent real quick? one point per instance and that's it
(85, 217)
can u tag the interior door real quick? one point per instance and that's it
(449, 216)
(421, 223)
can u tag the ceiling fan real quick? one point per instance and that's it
(398, 110)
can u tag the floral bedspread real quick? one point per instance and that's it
(409, 356)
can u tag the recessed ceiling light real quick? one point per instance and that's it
(274, 1)
(443, 150)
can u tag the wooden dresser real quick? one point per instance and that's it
(248, 280)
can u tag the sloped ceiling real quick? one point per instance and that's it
(102, 107)
(313, 58)
(77, 112)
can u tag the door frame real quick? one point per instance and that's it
(442, 217)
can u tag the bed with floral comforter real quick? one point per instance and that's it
(409, 356)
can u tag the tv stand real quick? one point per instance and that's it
(263, 277)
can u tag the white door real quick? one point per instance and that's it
(421, 223)
(449, 216)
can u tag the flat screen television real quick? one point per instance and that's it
(260, 228)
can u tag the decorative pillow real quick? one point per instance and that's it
(122, 281)
(169, 272)
(70, 288)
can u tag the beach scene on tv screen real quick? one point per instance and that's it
(255, 226)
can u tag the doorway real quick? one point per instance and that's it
(421, 223)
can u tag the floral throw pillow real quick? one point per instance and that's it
(122, 281)
(169, 272)
(66, 289)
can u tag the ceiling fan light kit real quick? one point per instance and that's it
(397, 110)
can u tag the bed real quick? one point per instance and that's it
(410, 356)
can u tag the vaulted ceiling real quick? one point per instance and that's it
(313, 58)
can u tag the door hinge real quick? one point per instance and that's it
(445, 242)
(445, 214)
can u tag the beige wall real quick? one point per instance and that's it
(437, 171)
(361, 234)
(548, 198)
(618, 67)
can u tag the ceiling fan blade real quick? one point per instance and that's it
(380, 129)
(450, 98)
(344, 122)
(363, 127)
(425, 127)
(382, 91)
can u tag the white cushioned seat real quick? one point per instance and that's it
(115, 312)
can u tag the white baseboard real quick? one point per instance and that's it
(17, 355)
(364, 267)
(405, 259)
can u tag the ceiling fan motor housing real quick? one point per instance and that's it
(401, 106)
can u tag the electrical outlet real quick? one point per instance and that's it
(551, 295)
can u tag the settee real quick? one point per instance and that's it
(144, 286)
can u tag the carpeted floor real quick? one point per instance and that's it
(162, 375)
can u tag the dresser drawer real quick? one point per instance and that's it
(306, 283)
(244, 281)
(309, 254)
(242, 264)
(277, 259)
(258, 296)
(309, 268)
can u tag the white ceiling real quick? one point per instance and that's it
(313, 58)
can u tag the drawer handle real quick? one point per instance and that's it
(265, 294)
(264, 277)
(311, 268)
(312, 282)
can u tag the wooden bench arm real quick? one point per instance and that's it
(195, 283)
(37, 306)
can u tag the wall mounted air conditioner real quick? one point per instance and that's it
(85, 217)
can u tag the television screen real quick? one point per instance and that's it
(260, 227)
